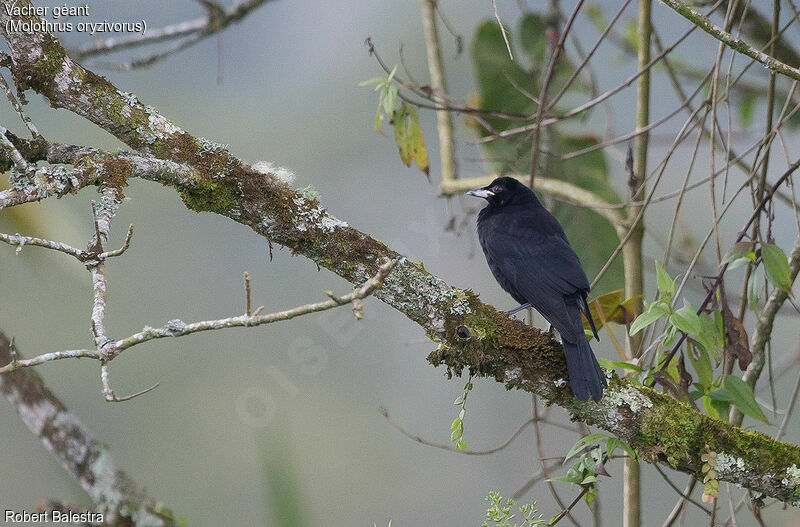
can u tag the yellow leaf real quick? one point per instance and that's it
(408, 136)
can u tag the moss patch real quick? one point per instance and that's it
(117, 171)
(40, 75)
(210, 196)
(668, 431)
(497, 345)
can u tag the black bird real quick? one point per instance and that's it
(531, 259)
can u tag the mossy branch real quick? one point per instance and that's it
(471, 334)
(735, 43)
(86, 459)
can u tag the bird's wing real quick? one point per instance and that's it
(544, 270)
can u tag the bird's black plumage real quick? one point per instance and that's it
(530, 257)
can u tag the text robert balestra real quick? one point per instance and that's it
(52, 516)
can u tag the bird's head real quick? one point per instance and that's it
(503, 191)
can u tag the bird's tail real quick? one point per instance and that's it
(585, 376)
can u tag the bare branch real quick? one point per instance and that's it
(214, 22)
(108, 349)
(20, 241)
(12, 152)
(444, 120)
(108, 393)
(247, 310)
(118, 252)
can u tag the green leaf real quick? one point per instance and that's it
(752, 292)
(389, 100)
(611, 364)
(739, 254)
(630, 34)
(669, 337)
(591, 439)
(700, 359)
(666, 285)
(391, 75)
(595, 13)
(375, 81)
(656, 311)
(686, 320)
(711, 335)
(408, 136)
(378, 119)
(461, 445)
(456, 434)
(589, 497)
(717, 408)
(745, 106)
(532, 30)
(777, 267)
(720, 394)
(611, 445)
(629, 450)
(741, 395)
(456, 423)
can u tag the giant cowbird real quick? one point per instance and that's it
(531, 259)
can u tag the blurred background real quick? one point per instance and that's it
(280, 425)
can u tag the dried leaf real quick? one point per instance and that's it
(737, 345)
(685, 377)
(408, 136)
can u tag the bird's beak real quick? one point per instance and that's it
(481, 192)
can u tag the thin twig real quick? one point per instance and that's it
(247, 293)
(502, 30)
(118, 252)
(540, 453)
(108, 393)
(679, 506)
(588, 57)
(547, 79)
(18, 107)
(451, 448)
(684, 496)
(565, 512)
(789, 409)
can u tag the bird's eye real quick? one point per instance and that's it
(497, 189)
